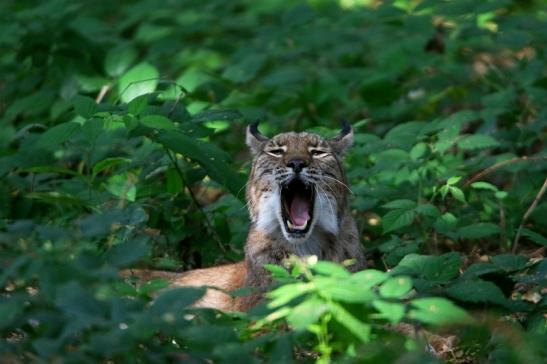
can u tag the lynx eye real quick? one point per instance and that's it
(317, 153)
(278, 152)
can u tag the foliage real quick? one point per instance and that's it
(122, 145)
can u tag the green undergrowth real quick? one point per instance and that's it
(122, 145)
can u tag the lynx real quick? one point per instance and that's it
(297, 196)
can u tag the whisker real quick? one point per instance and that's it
(342, 183)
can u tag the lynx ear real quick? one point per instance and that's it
(254, 139)
(343, 141)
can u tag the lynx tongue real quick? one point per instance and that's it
(299, 212)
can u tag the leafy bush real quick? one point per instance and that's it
(122, 145)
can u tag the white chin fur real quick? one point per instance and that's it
(269, 204)
(269, 216)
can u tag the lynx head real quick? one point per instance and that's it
(297, 182)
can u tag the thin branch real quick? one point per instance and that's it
(102, 93)
(528, 213)
(499, 165)
(196, 202)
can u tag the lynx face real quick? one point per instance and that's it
(297, 183)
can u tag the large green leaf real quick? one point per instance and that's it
(139, 80)
(214, 160)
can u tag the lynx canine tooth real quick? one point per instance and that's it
(296, 227)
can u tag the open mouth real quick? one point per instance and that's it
(297, 200)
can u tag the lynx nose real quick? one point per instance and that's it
(297, 165)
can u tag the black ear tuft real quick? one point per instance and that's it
(346, 128)
(253, 129)
(343, 141)
(254, 139)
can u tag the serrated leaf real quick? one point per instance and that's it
(400, 204)
(484, 186)
(535, 237)
(418, 151)
(369, 277)
(139, 80)
(347, 291)
(170, 304)
(428, 210)
(306, 313)
(391, 311)
(477, 141)
(214, 160)
(477, 231)
(84, 106)
(509, 262)
(286, 293)
(330, 269)
(476, 291)
(138, 104)
(453, 180)
(396, 287)
(436, 269)
(157, 122)
(346, 319)
(457, 194)
(214, 115)
(437, 311)
(119, 59)
(397, 219)
(108, 163)
(277, 271)
(58, 134)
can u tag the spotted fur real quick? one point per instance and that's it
(332, 235)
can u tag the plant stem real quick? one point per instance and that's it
(528, 213)
(196, 202)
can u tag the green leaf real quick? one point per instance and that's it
(418, 151)
(215, 115)
(400, 204)
(84, 106)
(396, 287)
(277, 271)
(535, 237)
(245, 70)
(391, 311)
(477, 231)
(170, 304)
(437, 311)
(330, 269)
(122, 186)
(157, 122)
(509, 262)
(215, 161)
(484, 186)
(428, 210)
(344, 291)
(57, 135)
(306, 313)
(138, 104)
(108, 163)
(457, 194)
(346, 319)
(397, 219)
(286, 293)
(369, 277)
(119, 59)
(436, 269)
(453, 180)
(476, 291)
(121, 255)
(477, 141)
(139, 80)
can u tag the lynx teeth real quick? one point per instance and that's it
(296, 227)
